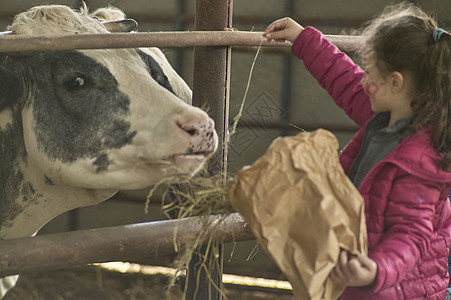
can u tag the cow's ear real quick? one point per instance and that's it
(126, 25)
(10, 88)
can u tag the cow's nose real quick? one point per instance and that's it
(201, 135)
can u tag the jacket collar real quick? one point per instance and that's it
(416, 155)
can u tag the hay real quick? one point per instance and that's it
(200, 197)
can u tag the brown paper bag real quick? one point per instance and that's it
(302, 208)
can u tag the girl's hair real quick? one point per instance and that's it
(401, 40)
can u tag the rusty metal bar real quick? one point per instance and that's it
(12, 43)
(77, 248)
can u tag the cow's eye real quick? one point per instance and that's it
(75, 82)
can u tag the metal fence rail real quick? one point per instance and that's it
(78, 248)
(12, 43)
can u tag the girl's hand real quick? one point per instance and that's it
(354, 271)
(285, 29)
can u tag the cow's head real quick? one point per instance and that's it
(92, 120)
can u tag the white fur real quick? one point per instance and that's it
(55, 20)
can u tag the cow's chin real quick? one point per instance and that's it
(138, 175)
(189, 161)
(177, 168)
(186, 165)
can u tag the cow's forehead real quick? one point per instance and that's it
(116, 62)
(117, 59)
(137, 62)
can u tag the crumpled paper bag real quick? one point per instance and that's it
(302, 209)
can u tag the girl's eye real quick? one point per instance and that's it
(75, 83)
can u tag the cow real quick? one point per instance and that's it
(77, 126)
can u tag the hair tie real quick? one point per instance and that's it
(438, 33)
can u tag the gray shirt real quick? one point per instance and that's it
(378, 141)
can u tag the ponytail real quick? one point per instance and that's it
(441, 89)
(432, 101)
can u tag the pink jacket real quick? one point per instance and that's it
(408, 214)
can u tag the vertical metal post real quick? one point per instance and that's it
(211, 75)
(211, 82)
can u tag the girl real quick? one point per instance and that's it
(400, 159)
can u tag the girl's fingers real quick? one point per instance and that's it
(343, 258)
(277, 25)
(283, 30)
(334, 276)
(337, 275)
(276, 30)
(278, 36)
(367, 262)
(354, 267)
(344, 261)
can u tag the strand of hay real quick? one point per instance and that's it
(297, 127)
(240, 112)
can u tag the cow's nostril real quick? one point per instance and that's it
(189, 128)
(191, 131)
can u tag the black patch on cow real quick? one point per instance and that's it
(10, 88)
(12, 154)
(48, 181)
(102, 162)
(77, 107)
(27, 191)
(155, 70)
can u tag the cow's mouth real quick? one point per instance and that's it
(189, 158)
(179, 160)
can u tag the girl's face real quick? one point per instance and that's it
(388, 93)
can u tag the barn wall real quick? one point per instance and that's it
(281, 89)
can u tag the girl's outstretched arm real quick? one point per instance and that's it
(282, 30)
(335, 72)
(333, 69)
